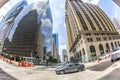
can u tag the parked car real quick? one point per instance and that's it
(104, 56)
(115, 55)
(69, 67)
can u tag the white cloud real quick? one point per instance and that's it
(64, 25)
(46, 22)
(95, 1)
(116, 11)
(57, 8)
(62, 39)
(58, 14)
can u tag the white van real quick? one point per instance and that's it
(115, 55)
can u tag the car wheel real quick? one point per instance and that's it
(62, 72)
(112, 61)
(83, 69)
(79, 70)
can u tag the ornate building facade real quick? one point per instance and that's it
(90, 33)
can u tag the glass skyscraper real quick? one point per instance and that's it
(31, 31)
(8, 21)
(55, 36)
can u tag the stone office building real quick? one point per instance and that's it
(90, 33)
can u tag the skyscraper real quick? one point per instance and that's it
(30, 34)
(55, 50)
(64, 55)
(8, 21)
(116, 23)
(55, 37)
(117, 2)
(90, 33)
(2, 2)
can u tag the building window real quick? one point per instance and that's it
(87, 34)
(93, 52)
(98, 39)
(102, 33)
(87, 16)
(112, 46)
(116, 44)
(80, 16)
(89, 39)
(101, 49)
(96, 33)
(108, 33)
(107, 48)
(109, 38)
(104, 38)
(113, 37)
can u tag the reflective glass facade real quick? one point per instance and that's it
(30, 32)
(55, 37)
(7, 23)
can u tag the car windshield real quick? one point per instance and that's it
(67, 64)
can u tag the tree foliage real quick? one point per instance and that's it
(52, 59)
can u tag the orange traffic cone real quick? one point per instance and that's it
(32, 65)
(19, 63)
(10, 62)
(6, 60)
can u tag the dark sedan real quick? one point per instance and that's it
(69, 67)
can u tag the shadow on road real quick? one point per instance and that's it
(5, 76)
(101, 66)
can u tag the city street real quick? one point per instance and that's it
(5, 76)
(101, 66)
(60, 40)
(115, 75)
(98, 71)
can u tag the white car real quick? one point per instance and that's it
(115, 55)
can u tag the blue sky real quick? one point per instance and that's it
(58, 14)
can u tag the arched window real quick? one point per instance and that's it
(107, 48)
(84, 56)
(83, 51)
(112, 46)
(93, 52)
(80, 56)
(101, 49)
(92, 48)
(116, 44)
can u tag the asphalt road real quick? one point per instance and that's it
(101, 66)
(5, 76)
(114, 75)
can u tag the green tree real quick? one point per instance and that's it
(52, 59)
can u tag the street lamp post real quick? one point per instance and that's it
(31, 55)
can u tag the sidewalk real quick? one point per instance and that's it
(26, 73)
